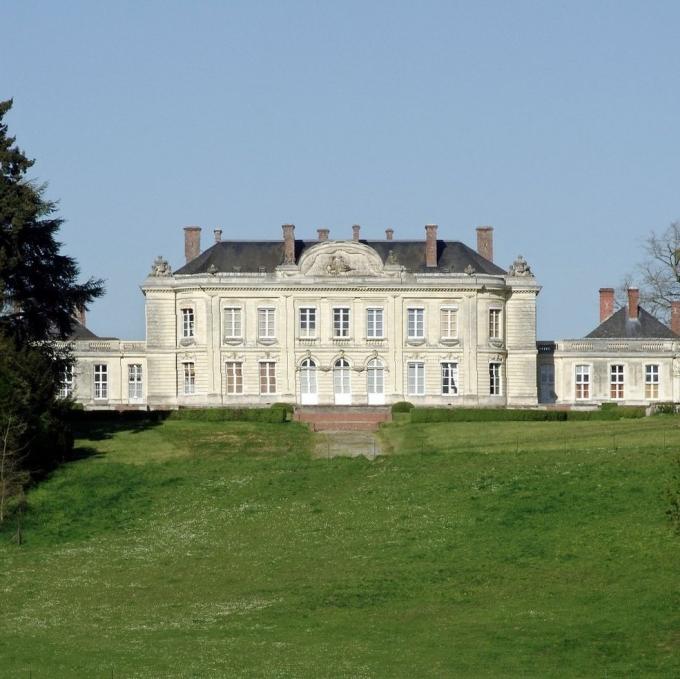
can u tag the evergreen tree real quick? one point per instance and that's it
(39, 291)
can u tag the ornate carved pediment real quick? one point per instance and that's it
(341, 260)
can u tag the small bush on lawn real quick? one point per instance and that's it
(402, 407)
(271, 415)
(666, 408)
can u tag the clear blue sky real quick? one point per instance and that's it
(555, 122)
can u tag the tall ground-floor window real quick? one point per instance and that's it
(652, 381)
(582, 382)
(308, 377)
(189, 378)
(234, 372)
(449, 378)
(101, 381)
(616, 381)
(415, 381)
(375, 375)
(268, 377)
(135, 382)
(495, 387)
(67, 383)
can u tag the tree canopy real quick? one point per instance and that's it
(39, 288)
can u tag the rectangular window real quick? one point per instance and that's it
(233, 328)
(651, 381)
(449, 378)
(307, 322)
(135, 382)
(268, 377)
(495, 379)
(494, 323)
(234, 370)
(189, 378)
(616, 381)
(341, 322)
(416, 324)
(101, 381)
(67, 383)
(374, 323)
(416, 379)
(582, 382)
(265, 323)
(188, 325)
(448, 326)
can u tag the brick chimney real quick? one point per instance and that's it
(323, 234)
(606, 303)
(288, 243)
(633, 302)
(430, 245)
(355, 232)
(389, 234)
(675, 317)
(218, 235)
(485, 242)
(192, 242)
(80, 315)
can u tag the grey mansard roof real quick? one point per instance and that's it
(645, 326)
(255, 256)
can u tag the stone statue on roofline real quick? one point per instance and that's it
(520, 267)
(160, 267)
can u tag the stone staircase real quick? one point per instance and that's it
(342, 418)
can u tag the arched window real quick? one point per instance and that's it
(341, 376)
(376, 376)
(308, 377)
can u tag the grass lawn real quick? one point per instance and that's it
(197, 549)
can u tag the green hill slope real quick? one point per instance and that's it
(191, 549)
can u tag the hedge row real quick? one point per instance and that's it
(275, 414)
(272, 415)
(424, 415)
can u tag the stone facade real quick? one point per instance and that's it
(356, 322)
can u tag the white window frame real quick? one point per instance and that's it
(415, 321)
(652, 381)
(307, 321)
(375, 326)
(135, 382)
(449, 378)
(495, 378)
(495, 323)
(581, 371)
(233, 377)
(232, 317)
(375, 376)
(341, 322)
(188, 322)
(308, 377)
(67, 388)
(267, 377)
(448, 312)
(415, 378)
(266, 318)
(189, 377)
(617, 381)
(101, 381)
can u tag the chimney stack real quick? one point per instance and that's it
(218, 235)
(79, 315)
(323, 234)
(606, 303)
(192, 242)
(389, 234)
(430, 245)
(355, 232)
(485, 242)
(288, 243)
(675, 317)
(633, 302)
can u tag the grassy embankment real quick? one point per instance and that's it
(191, 549)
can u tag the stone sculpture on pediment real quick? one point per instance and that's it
(520, 267)
(160, 268)
(341, 260)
